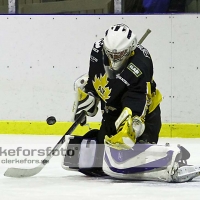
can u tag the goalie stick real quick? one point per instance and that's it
(19, 173)
(148, 31)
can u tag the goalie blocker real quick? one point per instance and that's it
(141, 162)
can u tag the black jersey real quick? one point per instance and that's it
(130, 89)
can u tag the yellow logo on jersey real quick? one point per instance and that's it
(100, 87)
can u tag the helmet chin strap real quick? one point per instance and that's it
(110, 72)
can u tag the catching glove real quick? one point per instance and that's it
(128, 129)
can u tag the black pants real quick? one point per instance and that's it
(151, 132)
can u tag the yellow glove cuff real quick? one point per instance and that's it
(123, 116)
(125, 137)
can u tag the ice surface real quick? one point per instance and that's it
(53, 182)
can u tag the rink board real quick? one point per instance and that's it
(41, 128)
(42, 56)
(36, 80)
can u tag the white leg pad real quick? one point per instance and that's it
(142, 162)
(65, 145)
(84, 157)
(87, 154)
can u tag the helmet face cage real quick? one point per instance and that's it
(119, 42)
(115, 56)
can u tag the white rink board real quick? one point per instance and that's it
(185, 68)
(41, 56)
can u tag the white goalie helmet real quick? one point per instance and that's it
(119, 43)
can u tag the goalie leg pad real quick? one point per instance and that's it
(79, 153)
(142, 162)
(83, 154)
(87, 154)
(90, 160)
(71, 150)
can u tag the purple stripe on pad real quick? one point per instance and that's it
(160, 163)
(123, 155)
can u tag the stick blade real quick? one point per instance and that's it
(22, 173)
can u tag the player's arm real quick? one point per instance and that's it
(86, 97)
(130, 124)
(84, 101)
